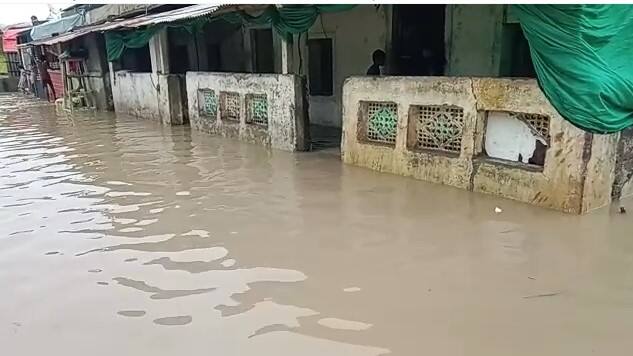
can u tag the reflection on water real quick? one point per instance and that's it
(122, 236)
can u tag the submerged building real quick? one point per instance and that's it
(457, 102)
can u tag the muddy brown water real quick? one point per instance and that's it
(124, 237)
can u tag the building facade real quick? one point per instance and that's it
(456, 103)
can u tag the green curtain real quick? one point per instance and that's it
(118, 41)
(583, 57)
(287, 20)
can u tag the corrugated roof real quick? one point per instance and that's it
(185, 13)
(10, 38)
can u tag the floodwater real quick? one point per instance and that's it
(124, 237)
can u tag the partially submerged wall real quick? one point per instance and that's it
(8, 84)
(149, 96)
(435, 129)
(267, 109)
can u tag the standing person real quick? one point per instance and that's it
(32, 73)
(378, 58)
(24, 80)
(46, 78)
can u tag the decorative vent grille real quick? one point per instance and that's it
(230, 106)
(382, 122)
(257, 109)
(539, 123)
(439, 127)
(208, 103)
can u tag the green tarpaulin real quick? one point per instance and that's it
(287, 20)
(583, 56)
(118, 41)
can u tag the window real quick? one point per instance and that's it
(136, 59)
(262, 41)
(320, 66)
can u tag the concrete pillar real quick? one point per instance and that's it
(113, 67)
(286, 55)
(159, 52)
(283, 53)
(475, 40)
(249, 66)
(203, 55)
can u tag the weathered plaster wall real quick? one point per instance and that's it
(149, 96)
(406, 91)
(474, 47)
(287, 123)
(577, 172)
(571, 177)
(623, 184)
(600, 172)
(134, 94)
(355, 35)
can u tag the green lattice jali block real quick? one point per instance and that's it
(258, 107)
(382, 123)
(208, 103)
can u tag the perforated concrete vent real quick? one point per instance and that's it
(208, 103)
(230, 106)
(436, 127)
(539, 123)
(378, 122)
(257, 109)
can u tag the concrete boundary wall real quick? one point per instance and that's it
(8, 84)
(149, 96)
(267, 109)
(578, 169)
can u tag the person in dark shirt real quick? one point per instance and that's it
(46, 78)
(378, 57)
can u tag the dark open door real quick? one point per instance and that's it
(418, 40)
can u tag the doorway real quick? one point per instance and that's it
(418, 40)
(263, 56)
